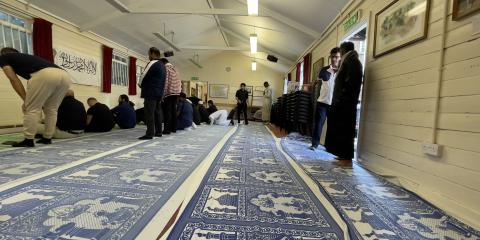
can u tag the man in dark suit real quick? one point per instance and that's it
(152, 83)
(343, 111)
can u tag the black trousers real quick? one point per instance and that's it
(153, 117)
(341, 131)
(242, 107)
(170, 113)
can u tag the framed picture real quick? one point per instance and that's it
(316, 68)
(218, 90)
(399, 24)
(463, 8)
(249, 90)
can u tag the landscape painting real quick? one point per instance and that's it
(401, 23)
(463, 8)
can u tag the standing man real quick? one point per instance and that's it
(152, 84)
(343, 113)
(47, 85)
(267, 102)
(326, 78)
(242, 99)
(173, 87)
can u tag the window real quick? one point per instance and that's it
(139, 72)
(15, 32)
(300, 81)
(285, 86)
(119, 70)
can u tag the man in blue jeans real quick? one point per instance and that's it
(326, 77)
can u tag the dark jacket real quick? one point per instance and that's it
(348, 81)
(71, 115)
(153, 83)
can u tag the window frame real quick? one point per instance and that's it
(119, 69)
(18, 30)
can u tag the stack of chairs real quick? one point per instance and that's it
(293, 112)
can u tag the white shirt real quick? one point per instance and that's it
(326, 91)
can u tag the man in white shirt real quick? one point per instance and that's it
(326, 78)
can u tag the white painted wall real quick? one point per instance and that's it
(66, 35)
(399, 110)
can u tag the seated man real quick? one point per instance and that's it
(203, 113)
(211, 107)
(99, 117)
(71, 118)
(124, 114)
(219, 118)
(184, 113)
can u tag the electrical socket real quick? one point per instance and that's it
(432, 149)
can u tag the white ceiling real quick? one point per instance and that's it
(285, 28)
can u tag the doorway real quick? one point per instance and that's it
(359, 38)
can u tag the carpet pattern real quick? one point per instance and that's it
(111, 197)
(252, 192)
(376, 208)
(23, 162)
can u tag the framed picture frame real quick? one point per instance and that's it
(218, 90)
(317, 66)
(399, 24)
(464, 8)
(249, 90)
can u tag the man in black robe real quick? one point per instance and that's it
(343, 111)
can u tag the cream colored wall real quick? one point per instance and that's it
(213, 72)
(66, 35)
(399, 109)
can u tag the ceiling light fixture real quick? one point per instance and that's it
(253, 43)
(119, 5)
(252, 7)
(254, 65)
(167, 41)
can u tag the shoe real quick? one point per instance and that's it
(45, 141)
(166, 132)
(231, 123)
(145, 138)
(246, 123)
(38, 135)
(159, 134)
(313, 148)
(24, 143)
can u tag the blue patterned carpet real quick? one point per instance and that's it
(111, 197)
(376, 208)
(252, 192)
(19, 163)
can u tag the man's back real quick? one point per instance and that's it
(102, 118)
(71, 115)
(125, 116)
(185, 118)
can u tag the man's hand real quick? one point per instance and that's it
(15, 81)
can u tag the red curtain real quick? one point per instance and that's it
(299, 65)
(306, 68)
(132, 76)
(42, 39)
(107, 69)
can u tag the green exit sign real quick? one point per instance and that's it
(195, 78)
(351, 21)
